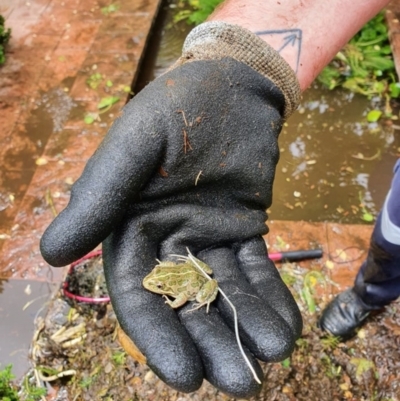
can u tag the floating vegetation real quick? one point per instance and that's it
(112, 8)
(197, 13)
(365, 65)
(366, 215)
(94, 80)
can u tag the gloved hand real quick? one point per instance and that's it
(191, 163)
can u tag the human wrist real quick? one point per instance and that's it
(216, 40)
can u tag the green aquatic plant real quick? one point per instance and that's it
(366, 215)
(94, 80)
(112, 8)
(365, 65)
(198, 11)
(374, 115)
(5, 35)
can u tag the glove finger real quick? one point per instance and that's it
(153, 326)
(99, 198)
(261, 328)
(224, 365)
(263, 276)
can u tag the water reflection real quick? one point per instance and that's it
(20, 303)
(328, 151)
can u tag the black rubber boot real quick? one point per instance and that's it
(376, 285)
(345, 314)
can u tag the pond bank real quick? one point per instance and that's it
(64, 58)
(56, 48)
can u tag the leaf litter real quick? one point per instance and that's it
(77, 345)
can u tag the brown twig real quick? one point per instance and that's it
(186, 143)
(184, 117)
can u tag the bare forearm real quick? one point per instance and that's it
(307, 33)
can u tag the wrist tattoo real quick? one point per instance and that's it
(289, 40)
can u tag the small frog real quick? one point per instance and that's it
(182, 281)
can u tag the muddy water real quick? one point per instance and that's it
(332, 159)
(21, 302)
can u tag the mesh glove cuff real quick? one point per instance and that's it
(216, 39)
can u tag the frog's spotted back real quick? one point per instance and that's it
(182, 281)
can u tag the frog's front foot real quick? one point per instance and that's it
(177, 302)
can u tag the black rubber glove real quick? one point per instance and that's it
(191, 163)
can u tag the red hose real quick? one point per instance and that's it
(80, 298)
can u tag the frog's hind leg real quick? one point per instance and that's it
(206, 295)
(198, 306)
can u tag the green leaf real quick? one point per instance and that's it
(373, 116)
(94, 80)
(308, 299)
(200, 10)
(7, 390)
(394, 88)
(109, 83)
(107, 102)
(362, 365)
(89, 119)
(329, 77)
(365, 65)
(110, 9)
(286, 363)
(368, 217)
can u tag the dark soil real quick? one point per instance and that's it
(321, 368)
(87, 279)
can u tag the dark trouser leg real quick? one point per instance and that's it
(378, 281)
